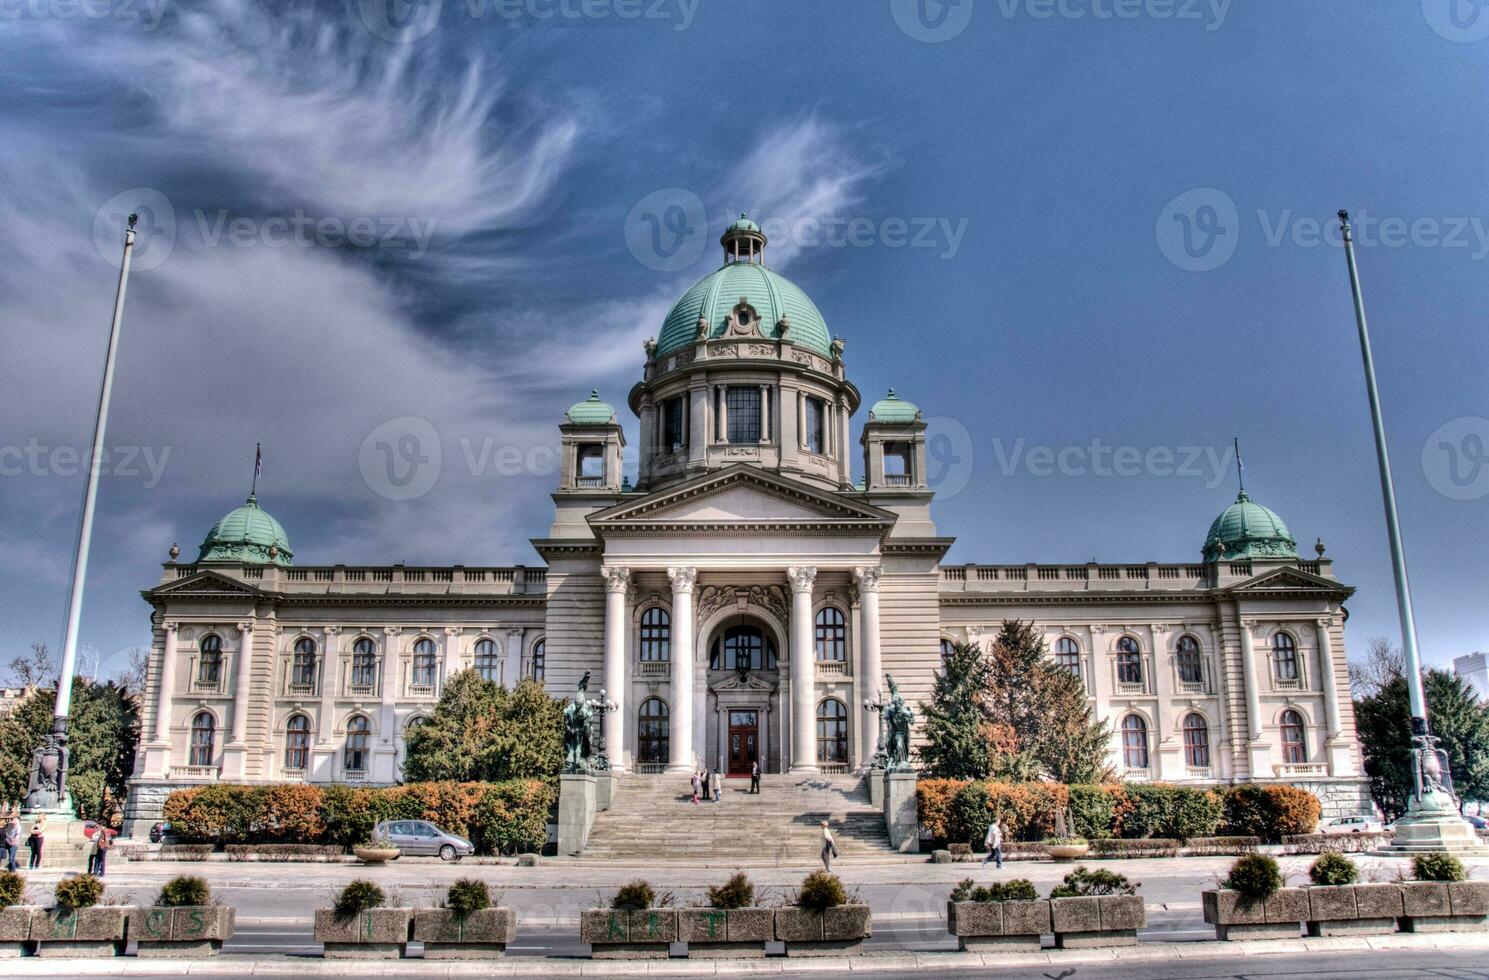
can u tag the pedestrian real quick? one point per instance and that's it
(12, 839)
(92, 850)
(994, 843)
(35, 840)
(755, 777)
(105, 838)
(829, 847)
(696, 787)
(717, 784)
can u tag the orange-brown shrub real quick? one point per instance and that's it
(933, 799)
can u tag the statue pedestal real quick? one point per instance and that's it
(900, 817)
(1433, 825)
(876, 788)
(576, 811)
(63, 844)
(604, 790)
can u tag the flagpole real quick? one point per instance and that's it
(85, 531)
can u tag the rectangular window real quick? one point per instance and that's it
(744, 415)
(816, 425)
(674, 423)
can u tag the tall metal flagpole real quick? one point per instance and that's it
(85, 531)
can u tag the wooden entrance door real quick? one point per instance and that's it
(744, 741)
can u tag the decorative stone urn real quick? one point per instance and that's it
(376, 934)
(368, 854)
(1442, 906)
(1068, 852)
(618, 934)
(484, 934)
(1278, 917)
(1097, 920)
(839, 929)
(91, 932)
(725, 933)
(998, 926)
(183, 931)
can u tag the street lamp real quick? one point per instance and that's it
(1432, 822)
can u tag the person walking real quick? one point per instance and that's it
(35, 840)
(92, 850)
(994, 843)
(829, 847)
(755, 777)
(105, 838)
(717, 784)
(12, 839)
(696, 782)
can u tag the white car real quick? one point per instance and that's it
(1350, 825)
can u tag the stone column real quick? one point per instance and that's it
(699, 419)
(845, 465)
(512, 658)
(450, 662)
(167, 689)
(680, 713)
(1257, 754)
(391, 677)
(617, 621)
(330, 668)
(723, 399)
(1326, 676)
(242, 677)
(1168, 757)
(869, 670)
(803, 671)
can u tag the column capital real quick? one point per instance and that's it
(170, 627)
(454, 630)
(801, 577)
(245, 627)
(1324, 622)
(392, 631)
(1248, 624)
(617, 579)
(515, 632)
(1098, 628)
(683, 578)
(867, 577)
(333, 630)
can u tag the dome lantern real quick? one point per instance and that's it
(743, 241)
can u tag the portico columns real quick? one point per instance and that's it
(803, 673)
(330, 667)
(617, 582)
(1256, 752)
(235, 753)
(167, 684)
(680, 716)
(870, 670)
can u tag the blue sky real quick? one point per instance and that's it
(1093, 240)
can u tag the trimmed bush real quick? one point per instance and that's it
(1437, 867)
(1336, 843)
(12, 889)
(1270, 812)
(736, 893)
(933, 799)
(357, 897)
(184, 890)
(185, 852)
(634, 897)
(281, 852)
(1200, 846)
(1255, 876)
(1146, 847)
(970, 814)
(821, 890)
(467, 895)
(1093, 810)
(1013, 890)
(1084, 882)
(1333, 869)
(78, 892)
(1179, 812)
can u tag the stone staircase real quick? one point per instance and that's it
(653, 821)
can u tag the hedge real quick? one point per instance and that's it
(283, 852)
(1270, 811)
(1144, 848)
(1202, 846)
(495, 816)
(1335, 843)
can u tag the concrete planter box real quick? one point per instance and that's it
(15, 930)
(1278, 917)
(97, 931)
(616, 934)
(726, 933)
(1353, 910)
(1101, 920)
(185, 931)
(998, 925)
(480, 935)
(1438, 906)
(377, 934)
(840, 929)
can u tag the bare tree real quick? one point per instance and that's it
(33, 669)
(136, 670)
(1383, 663)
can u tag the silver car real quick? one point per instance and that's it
(423, 837)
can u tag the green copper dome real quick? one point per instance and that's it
(893, 408)
(743, 224)
(247, 534)
(1246, 529)
(773, 296)
(592, 411)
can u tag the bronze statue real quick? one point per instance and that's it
(897, 720)
(578, 718)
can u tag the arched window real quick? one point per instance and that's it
(1191, 664)
(488, 667)
(1068, 654)
(364, 663)
(209, 665)
(1196, 742)
(1129, 661)
(946, 648)
(1285, 654)
(656, 635)
(832, 635)
(743, 648)
(539, 664)
(354, 757)
(832, 732)
(652, 745)
(1294, 738)
(203, 737)
(1134, 742)
(425, 663)
(297, 742)
(302, 670)
(417, 721)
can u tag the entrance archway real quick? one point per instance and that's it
(742, 655)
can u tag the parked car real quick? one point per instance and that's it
(1350, 825)
(422, 837)
(158, 830)
(1478, 823)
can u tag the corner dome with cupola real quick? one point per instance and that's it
(247, 534)
(1246, 529)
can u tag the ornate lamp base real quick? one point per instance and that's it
(1432, 825)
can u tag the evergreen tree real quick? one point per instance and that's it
(954, 723)
(1458, 718)
(103, 733)
(482, 732)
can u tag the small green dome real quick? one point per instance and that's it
(773, 296)
(1246, 529)
(743, 224)
(592, 411)
(249, 534)
(893, 408)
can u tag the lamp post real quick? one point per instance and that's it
(602, 706)
(1432, 822)
(876, 705)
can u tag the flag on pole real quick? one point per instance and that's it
(258, 465)
(1240, 466)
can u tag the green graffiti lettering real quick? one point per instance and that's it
(714, 918)
(617, 930)
(158, 922)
